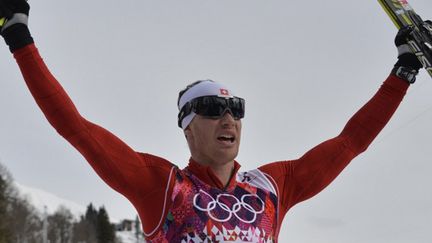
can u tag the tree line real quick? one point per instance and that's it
(20, 222)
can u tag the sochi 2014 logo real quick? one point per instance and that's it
(225, 206)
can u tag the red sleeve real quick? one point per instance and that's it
(300, 179)
(142, 178)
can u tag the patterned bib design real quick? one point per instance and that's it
(201, 213)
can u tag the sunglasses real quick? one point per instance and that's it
(213, 107)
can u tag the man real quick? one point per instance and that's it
(209, 200)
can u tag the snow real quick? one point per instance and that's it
(42, 200)
(128, 237)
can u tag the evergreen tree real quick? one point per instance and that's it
(86, 229)
(105, 230)
(91, 214)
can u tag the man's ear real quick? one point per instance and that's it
(187, 132)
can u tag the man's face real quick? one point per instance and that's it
(214, 141)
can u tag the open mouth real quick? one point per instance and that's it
(226, 138)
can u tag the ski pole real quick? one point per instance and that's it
(402, 15)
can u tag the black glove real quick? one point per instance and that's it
(407, 66)
(5, 10)
(14, 30)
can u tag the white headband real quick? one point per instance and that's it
(204, 88)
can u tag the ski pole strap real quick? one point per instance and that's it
(405, 73)
(18, 18)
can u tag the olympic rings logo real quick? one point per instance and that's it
(216, 208)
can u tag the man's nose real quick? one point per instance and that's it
(227, 118)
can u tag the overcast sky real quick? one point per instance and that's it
(304, 67)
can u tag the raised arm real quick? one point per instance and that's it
(133, 174)
(300, 179)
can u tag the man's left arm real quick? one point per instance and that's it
(301, 179)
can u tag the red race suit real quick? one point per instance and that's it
(191, 204)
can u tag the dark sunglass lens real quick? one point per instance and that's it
(237, 108)
(208, 106)
(212, 106)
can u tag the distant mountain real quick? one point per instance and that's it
(41, 199)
